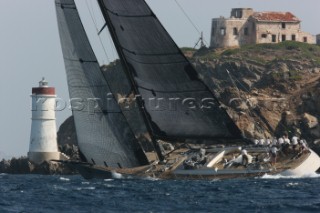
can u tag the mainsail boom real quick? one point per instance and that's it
(177, 104)
(104, 136)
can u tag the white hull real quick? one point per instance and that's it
(309, 166)
(301, 166)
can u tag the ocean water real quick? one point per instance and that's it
(37, 193)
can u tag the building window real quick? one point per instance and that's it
(293, 37)
(274, 38)
(235, 31)
(213, 31)
(283, 25)
(246, 31)
(264, 35)
(238, 13)
(283, 37)
(305, 39)
(223, 31)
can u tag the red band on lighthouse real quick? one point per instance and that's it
(43, 91)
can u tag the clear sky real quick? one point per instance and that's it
(30, 48)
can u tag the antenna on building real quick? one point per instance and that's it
(201, 41)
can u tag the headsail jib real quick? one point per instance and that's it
(104, 136)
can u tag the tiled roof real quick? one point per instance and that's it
(275, 17)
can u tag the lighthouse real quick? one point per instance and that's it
(43, 139)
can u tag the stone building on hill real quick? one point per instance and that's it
(248, 27)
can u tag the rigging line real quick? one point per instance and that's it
(234, 83)
(190, 20)
(113, 49)
(92, 9)
(91, 15)
(95, 24)
(107, 34)
(247, 90)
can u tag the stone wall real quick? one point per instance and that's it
(242, 28)
(231, 32)
(274, 33)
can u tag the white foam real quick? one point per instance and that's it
(60, 188)
(116, 175)
(292, 184)
(150, 178)
(86, 188)
(64, 179)
(108, 180)
(85, 183)
(278, 176)
(109, 185)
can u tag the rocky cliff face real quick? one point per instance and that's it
(267, 89)
(67, 133)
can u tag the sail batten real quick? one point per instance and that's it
(176, 102)
(104, 136)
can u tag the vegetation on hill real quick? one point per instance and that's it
(267, 53)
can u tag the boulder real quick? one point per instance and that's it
(310, 120)
(4, 166)
(316, 70)
(249, 132)
(283, 67)
(21, 166)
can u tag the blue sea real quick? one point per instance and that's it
(37, 193)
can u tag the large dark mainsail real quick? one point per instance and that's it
(104, 136)
(176, 102)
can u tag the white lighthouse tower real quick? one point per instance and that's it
(43, 140)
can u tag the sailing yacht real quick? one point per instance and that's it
(204, 141)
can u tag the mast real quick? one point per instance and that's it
(134, 87)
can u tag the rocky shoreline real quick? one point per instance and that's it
(22, 165)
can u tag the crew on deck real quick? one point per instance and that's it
(284, 146)
(273, 153)
(246, 158)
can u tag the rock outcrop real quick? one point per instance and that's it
(267, 89)
(66, 133)
(22, 165)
